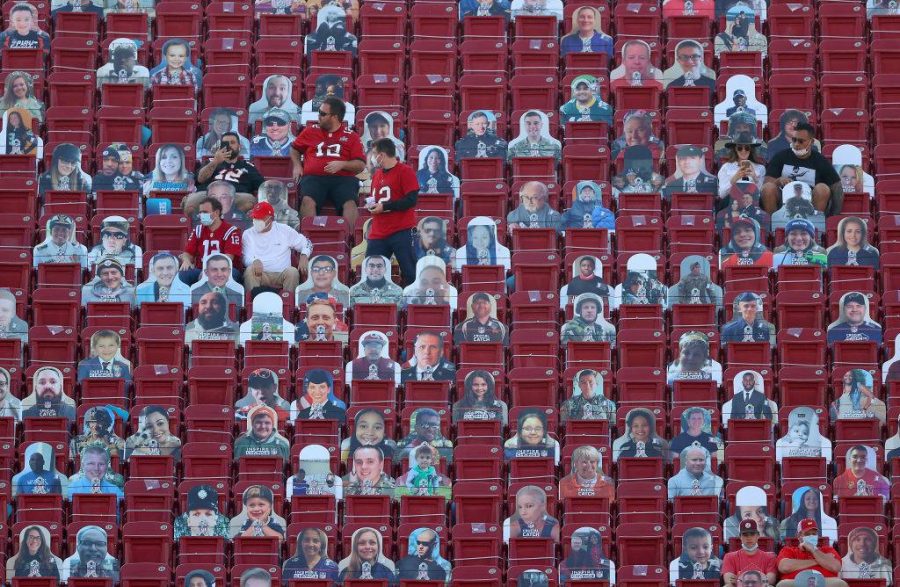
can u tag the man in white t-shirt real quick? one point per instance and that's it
(267, 250)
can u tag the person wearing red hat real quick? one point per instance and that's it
(749, 558)
(809, 555)
(266, 249)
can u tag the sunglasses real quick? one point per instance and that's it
(742, 148)
(116, 235)
(324, 113)
(274, 122)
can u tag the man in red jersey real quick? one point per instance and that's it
(212, 235)
(332, 156)
(395, 190)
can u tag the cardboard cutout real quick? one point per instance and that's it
(373, 361)
(262, 390)
(531, 519)
(88, 6)
(757, 6)
(95, 475)
(34, 559)
(587, 277)
(146, 6)
(698, 560)
(91, 559)
(39, 475)
(60, 243)
(484, 8)
(537, 8)
(741, 198)
(262, 437)
(65, 173)
(750, 504)
(479, 399)
(24, 30)
(740, 96)
(368, 430)
(534, 209)
(423, 560)
(531, 438)
(586, 477)
(122, 67)
(106, 360)
(807, 502)
(202, 516)
(420, 476)
(695, 285)
(857, 399)
(638, 173)
(48, 398)
(690, 173)
(110, 178)
(587, 209)
(327, 85)
(268, 322)
(481, 324)
(787, 124)
(641, 285)
(217, 277)
(310, 561)
(212, 322)
(276, 138)
(854, 323)
(366, 559)
(847, 161)
(175, 66)
(221, 120)
(635, 68)
(588, 323)
(170, 173)
(99, 428)
(890, 370)
(797, 198)
(322, 322)
(278, 92)
(587, 400)
(863, 559)
(330, 32)
(258, 517)
(18, 138)
(584, 560)
(586, 104)
(534, 138)
(431, 286)
(800, 246)
(11, 326)
(10, 406)
(380, 125)
(152, 436)
(367, 475)
(802, 438)
(314, 475)
(428, 362)
(696, 476)
(639, 438)
(745, 247)
(481, 140)
(431, 240)
(109, 284)
(434, 174)
(115, 244)
(163, 283)
(689, 69)
(694, 362)
(860, 477)
(375, 285)
(852, 247)
(749, 400)
(748, 324)
(696, 430)
(18, 92)
(323, 279)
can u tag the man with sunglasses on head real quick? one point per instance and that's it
(227, 165)
(803, 163)
(327, 157)
(276, 138)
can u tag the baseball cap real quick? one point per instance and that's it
(373, 339)
(801, 224)
(806, 525)
(276, 114)
(262, 210)
(689, 151)
(855, 297)
(61, 220)
(749, 526)
(110, 152)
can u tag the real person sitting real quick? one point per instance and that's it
(226, 165)
(809, 555)
(212, 235)
(267, 252)
(802, 163)
(749, 559)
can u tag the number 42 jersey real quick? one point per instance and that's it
(320, 147)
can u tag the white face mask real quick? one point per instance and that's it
(206, 219)
(812, 539)
(749, 548)
(260, 225)
(800, 152)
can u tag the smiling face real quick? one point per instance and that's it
(170, 162)
(322, 274)
(636, 58)
(853, 234)
(277, 91)
(92, 546)
(321, 315)
(20, 88)
(65, 167)
(640, 429)
(111, 277)
(533, 197)
(636, 131)
(106, 347)
(258, 508)
(695, 423)
(533, 127)
(863, 545)
(479, 387)
(367, 464)
(481, 309)
(369, 429)
(157, 426)
(221, 123)
(586, 22)
(582, 93)
(427, 427)
(311, 544)
(689, 58)
(94, 465)
(433, 278)
(22, 21)
(848, 179)
(479, 125)
(798, 239)
(698, 549)
(586, 466)
(855, 313)
(176, 56)
(695, 462)
(217, 272)
(34, 541)
(756, 513)
(164, 269)
(481, 237)
(744, 237)
(586, 384)
(262, 426)
(857, 461)
(433, 161)
(318, 392)
(277, 130)
(367, 546)
(424, 460)
(532, 432)
(811, 501)
(748, 311)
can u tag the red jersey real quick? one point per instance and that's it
(203, 242)
(319, 148)
(392, 185)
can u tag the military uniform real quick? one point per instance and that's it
(472, 330)
(545, 147)
(47, 252)
(381, 369)
(702, 184)
(479, 147)
(578, 329)
(739, 331)
(366, 292)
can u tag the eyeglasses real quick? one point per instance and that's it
(428, 544)
(742, 148)
(116, 235)
(324, 113)
(430, 425)
(691, 57)
(328, 269)
(274, 122)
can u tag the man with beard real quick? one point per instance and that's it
(585, 104)
(321, 323)
(534, 211)
(41, 477)
(109, 285)
(695, 478)
(534, 140)
(274, 192)
(691, 178)
(747, 325)
(420, 563)
(689, 55)
(109, 178)
(481, 140)
(748, 403)
(277, 91)
(91, 560)
(588, 323)
(212, 235)
(740, 103)
(10, 405)
(854, 323)
(802, 163)
(212, 321)
(376, 288)
(428, 363)
(49, 400)
(372, 365)
(276, 138)
(481, 327)
(228, 165)
(95, 476)
(164, 286)
(218, 272)
(59, 247)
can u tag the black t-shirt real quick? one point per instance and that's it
(812, 170)
(245, 177)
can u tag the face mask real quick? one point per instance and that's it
(800, 152)
(812, 539)
(749, 548)
(206, 219)
(259, 225)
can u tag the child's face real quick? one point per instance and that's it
(106, 348)
(799, 432)
(698, 549)
(22, 21)
(424, 460)
(258, 508)
(176, 55)
(529, 508)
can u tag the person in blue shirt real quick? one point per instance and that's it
(42, 477)
(95, 476)
(586, 35)
(106, 360)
